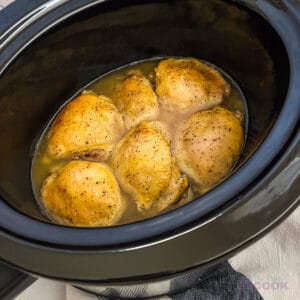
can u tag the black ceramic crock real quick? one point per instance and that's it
(51, 49)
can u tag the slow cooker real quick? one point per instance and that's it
(51, 49)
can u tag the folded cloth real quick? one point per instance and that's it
(223, 284)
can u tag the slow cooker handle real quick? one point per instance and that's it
(12, 282)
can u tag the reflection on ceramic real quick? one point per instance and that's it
(276, 189)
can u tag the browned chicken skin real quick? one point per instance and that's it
(145, 164)
(146, 169)
(89, 127)
(83, 193)
(188, 85)
(137, 100)
(208, 144)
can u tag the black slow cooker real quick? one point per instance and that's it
(51, 49)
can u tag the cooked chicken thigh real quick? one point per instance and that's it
(136, 98)
(83, 193)
(89, 126)
(145, 168)
(208, 144)
(188, 85)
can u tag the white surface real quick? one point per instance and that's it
(273, 264)
(44, 289)
(4, 3)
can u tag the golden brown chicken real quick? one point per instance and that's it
(145, 168)
(89, 126)
(136, 98)
(83, 193)
(188, 85)
(208, 144)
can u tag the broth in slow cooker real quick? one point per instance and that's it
(108, 85)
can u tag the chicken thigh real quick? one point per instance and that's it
(83, 193)
(145, 168)
(89, 127)
(188, 85)
(208, 144)
(136, 98)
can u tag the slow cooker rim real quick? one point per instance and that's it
(166, 276)
(22, 225)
